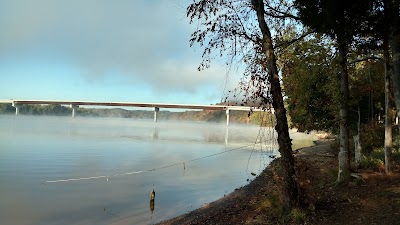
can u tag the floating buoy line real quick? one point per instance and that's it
(107, 177)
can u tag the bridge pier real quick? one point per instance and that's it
(16, 106)
(227, 117)
(156, 110)
(74, 107)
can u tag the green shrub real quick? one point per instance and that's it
(298, 215)
(274, 204)
(396, 139)
(378, 153)
(369, 162)
(372, 136)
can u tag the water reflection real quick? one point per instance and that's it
(155, 132)
(151, 205)
(226, 135)
(140, 130)
(152, 197)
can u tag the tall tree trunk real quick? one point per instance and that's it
(394, 41)
(388, 110)
(344, 159)
(285, 145)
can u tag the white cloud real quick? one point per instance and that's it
(143, 40)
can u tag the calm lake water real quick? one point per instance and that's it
(43, 160)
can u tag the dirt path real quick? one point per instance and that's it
(374, 199)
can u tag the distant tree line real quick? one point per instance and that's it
(204, 115)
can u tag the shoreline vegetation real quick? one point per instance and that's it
(370, 197)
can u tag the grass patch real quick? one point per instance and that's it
(273, 204)
(276, 208)
(298, 215)
(266, 204)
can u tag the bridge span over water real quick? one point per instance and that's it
(156, 106)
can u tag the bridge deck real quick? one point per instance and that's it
(130, 104)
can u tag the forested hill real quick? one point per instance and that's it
(204, 115)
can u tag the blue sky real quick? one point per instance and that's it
(100, 50)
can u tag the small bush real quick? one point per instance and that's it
(278, 207)
(376, 158)
(378, 153)
(369, 162)
(266, 204)
(396, 155)
(298, 215)
(372, 136)
(396, 140)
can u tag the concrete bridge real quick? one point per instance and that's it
(156, 106)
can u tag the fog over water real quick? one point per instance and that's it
(121, 161)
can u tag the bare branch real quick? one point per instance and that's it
(288, 43)
(279, 14)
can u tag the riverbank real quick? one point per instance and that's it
(373, 198)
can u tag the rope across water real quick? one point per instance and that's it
(154, 169)
(149, 170)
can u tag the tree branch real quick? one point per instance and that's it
(282, 15)
(366, 59)
(288, 43)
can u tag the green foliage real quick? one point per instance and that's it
(372, 136)
(367, 90)
(376, 158)
(344, 23)
(308, 69)
(264, 119)
(338, 19)
(379, 154)
(396, 139)
(7, 109)
(298, 215)
(274, 204)
(369, 162)
(34, 109)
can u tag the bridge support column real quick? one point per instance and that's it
(227, 117)
(156, 110)
(74, 107)
(16, 106)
